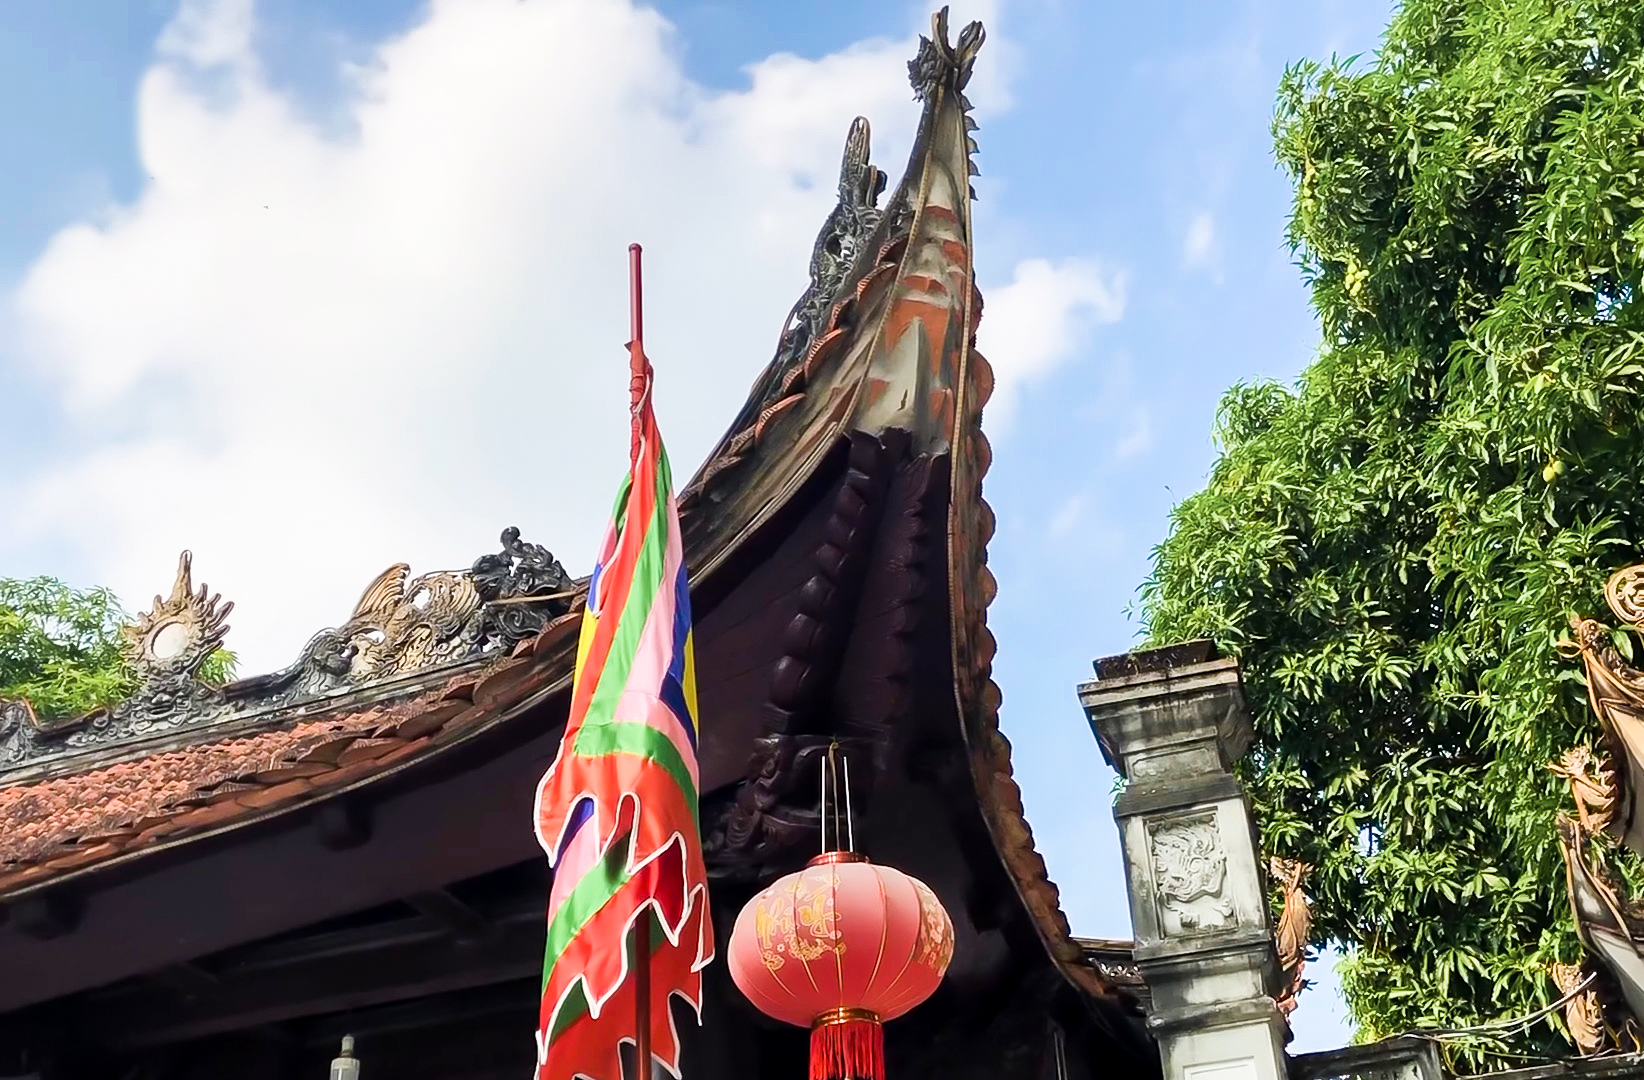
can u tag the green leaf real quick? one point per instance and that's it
(1393, 545)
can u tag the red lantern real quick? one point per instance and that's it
(841, 947)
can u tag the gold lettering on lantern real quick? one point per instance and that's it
(935, 945)
(817, 930)
(768, 918)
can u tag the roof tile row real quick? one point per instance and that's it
(53, 827)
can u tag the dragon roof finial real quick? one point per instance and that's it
(939, 63)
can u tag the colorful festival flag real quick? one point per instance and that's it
(617, 811)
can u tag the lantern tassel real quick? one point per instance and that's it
(848, 1044)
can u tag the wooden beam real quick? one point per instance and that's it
(521, 995)
(187, 979)
(307, 948)
(342, 824)
(439, 915)
(43, 916)
(464, 923)
(397, 968)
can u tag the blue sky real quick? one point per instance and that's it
(314, 287)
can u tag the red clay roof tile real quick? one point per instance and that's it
(42, 822)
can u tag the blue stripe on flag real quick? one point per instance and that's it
(672, 690)
(579, 817)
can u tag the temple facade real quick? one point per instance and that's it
(206, 880)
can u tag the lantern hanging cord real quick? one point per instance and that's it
(833, 775)
(1509, 1024)
(824, 806)
(844, 824)
(850, 825)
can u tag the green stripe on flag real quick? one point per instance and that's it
(574, 1009)
(642, 593)
(641, 740)
(576, 1002)
(620, 509)
(602, 881)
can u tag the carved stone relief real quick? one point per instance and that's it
(1189, 867)
(1194, 759)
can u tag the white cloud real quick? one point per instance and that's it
(307, 355)
(208, 34)
(1067, 515)
(1138, 438)
(1040, 320)
(1199, 245)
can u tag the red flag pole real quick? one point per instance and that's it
(638, 386)
(639, 369)
(642, 996)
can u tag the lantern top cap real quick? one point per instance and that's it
(830, 857)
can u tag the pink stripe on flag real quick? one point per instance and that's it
(580, 856)
(654, 654)
(637, 705)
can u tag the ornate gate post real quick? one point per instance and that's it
(1172, 721)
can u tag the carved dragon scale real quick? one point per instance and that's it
(402, 626)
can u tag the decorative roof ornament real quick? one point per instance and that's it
(940, 67)
(844, 245)
(400, 624)
(1611, 927)
(165, 648)
(842, 240)
(1592, 786)
(167, 644)
(1581, 1013)
(1624, 592)
(939, 64)
(1606, 791)
(1615, 691)
(858, 258)
(1295, 923)
(523, 588)
(400, 628)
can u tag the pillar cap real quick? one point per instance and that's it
(1157, 702)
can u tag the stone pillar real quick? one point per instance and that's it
(1172, 721)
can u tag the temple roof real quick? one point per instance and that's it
(880, 347)
(79, 821)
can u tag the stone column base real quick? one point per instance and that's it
(1235, 1041)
